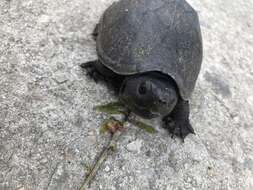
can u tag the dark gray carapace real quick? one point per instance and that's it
(137, 36)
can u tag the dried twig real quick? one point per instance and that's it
(104, 155)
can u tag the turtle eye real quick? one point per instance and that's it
(142, 89)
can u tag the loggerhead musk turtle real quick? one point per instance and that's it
(151, 52)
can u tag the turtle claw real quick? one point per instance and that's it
(92, 71)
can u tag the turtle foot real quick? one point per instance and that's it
(92, 72)
(178, 128)
(178, 122)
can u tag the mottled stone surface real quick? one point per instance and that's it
(49, 132)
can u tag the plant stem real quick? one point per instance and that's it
(104, 155)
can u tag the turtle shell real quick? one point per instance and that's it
(137, 36)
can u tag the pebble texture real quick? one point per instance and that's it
(49, 133)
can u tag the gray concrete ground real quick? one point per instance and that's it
(49, 132)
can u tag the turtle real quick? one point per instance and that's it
(151, 52)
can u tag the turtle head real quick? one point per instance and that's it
(149, 95)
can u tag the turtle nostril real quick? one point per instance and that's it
(162, 102)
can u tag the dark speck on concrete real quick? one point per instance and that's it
(220, 85)
(248, 163)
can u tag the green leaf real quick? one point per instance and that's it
(143, 126)
(109, 124)
(104, 127)
(111, 108)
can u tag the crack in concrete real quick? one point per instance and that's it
(52, 175)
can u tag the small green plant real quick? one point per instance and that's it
(115, 108)
(115, 128)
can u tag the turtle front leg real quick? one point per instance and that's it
(92, 71)
(177, 122)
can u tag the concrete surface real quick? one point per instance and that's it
(49, 132)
